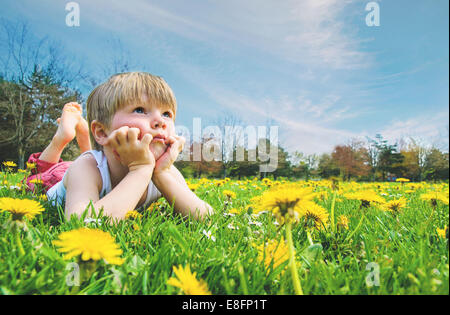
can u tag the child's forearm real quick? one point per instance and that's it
(179, 194)
(126, 195)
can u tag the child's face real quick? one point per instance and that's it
(150, 119)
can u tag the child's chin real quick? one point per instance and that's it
(157, 149)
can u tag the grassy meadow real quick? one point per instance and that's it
(347, 238)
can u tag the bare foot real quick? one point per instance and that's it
(70, 117)
(82, 134)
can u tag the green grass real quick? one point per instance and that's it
(411, 257)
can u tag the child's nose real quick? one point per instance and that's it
(158, 121)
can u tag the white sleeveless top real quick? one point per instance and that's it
(57, 194)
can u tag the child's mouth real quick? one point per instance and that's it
(159, 138)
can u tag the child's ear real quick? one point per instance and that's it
(99, 131)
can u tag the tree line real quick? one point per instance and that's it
(370, 160)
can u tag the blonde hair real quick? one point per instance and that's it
(125, 88)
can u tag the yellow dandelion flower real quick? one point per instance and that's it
(233, 211)
(434, 197)
(273, 253)
(441, 232)
(187, 282)
(133, 214)
(9, 164)
(283, 201)
(230, 194)
(395, 206)
(91, 244)
(21, 207)
(402, 180)
(193, 187)
(322, 195)
(315, 216)
(342, 222)
(31, 166)
(367, 197)
(335, 183)
(154, 206)
(219, 183)
(36, 181)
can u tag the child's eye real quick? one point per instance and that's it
(167, 114)
(139, 110)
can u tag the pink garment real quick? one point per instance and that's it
(49, 173)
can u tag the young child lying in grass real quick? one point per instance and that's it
(131, 122)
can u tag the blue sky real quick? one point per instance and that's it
(312, 67)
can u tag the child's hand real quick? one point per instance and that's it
(175, 145)
(131, 151)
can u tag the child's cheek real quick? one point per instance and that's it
(171, 130)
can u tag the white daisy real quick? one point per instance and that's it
(209, 235)
(232, 227)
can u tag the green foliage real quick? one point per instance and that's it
(29, 110)
(436, 165)
(412, 259)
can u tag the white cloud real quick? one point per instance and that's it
(431, 129)
(307, 32)
(298, 130)
(324, 35)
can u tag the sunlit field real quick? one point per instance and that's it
(266, 237)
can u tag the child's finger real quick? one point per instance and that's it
(121, 135)
(170, 140)
(133, 134)
(112, 140)
(181, 141)
(146, 139)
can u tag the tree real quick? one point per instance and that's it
(437, 165)
(390, 161)
(327, 167)
(304, 164)
(245, 168)
(34, 87)
(384, 158)
(351, 160)
(232, 139)
(272, 159)
(190, 166)
(29, 110)
(373, 150)
(414, 158)
(284, 166)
